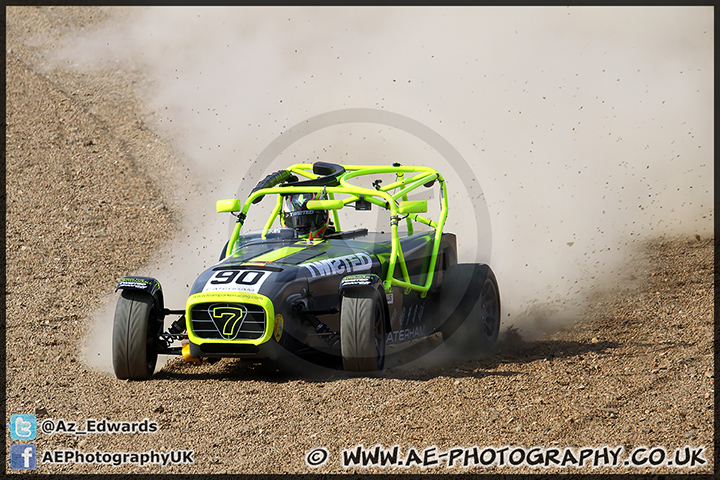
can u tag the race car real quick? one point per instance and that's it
(303, 286)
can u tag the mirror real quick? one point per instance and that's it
(229, 205)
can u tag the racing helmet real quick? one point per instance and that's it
(305, 222)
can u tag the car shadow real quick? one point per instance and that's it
(434, 360)
(423, 360)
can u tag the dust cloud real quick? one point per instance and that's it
(589, 129)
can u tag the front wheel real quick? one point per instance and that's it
(362, 332)
(134, 331)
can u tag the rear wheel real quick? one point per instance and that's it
(362, 332)
(134, 331)
(470, 309)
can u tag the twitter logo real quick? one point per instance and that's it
(23, 427)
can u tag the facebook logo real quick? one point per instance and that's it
(23, 456)
(23, 427)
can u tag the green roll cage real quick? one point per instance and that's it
(397, 202)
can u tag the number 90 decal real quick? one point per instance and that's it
(236, 281)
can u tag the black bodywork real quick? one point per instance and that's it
(305, 284)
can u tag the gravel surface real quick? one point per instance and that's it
(83, 210)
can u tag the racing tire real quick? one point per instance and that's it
(470, 310)
(134, 331)
(362, 332)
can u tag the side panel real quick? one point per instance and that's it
(410, 315)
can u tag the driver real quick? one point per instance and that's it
(307, 223)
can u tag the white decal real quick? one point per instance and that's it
(236, 281)
(357, 262)
(349, 281)
(406, 335)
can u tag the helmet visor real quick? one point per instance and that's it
(298, 201)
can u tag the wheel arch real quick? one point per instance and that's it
(367, 283)
(148, 285)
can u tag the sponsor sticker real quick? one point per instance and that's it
(355, 280)
(356, 262)
(405, 335)
(236, 281)
(277, 333)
